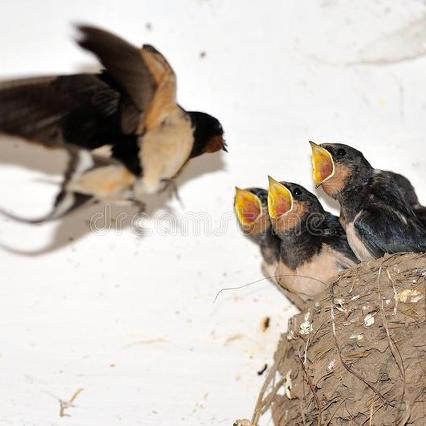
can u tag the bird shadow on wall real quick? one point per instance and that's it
(98, 216)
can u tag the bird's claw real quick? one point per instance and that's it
(170, 184)
(139, 204)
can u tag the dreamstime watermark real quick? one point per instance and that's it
(162, 223)
(194, 224)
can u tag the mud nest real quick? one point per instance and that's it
(357, 355)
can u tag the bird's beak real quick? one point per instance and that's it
(224, 146)
(280, 200)
(216, 143)
(248, 207)
(322, 164)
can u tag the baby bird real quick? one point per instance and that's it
(376, 206)
(313, 244)
(251, 210)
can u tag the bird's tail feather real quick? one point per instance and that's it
(65, 203)
(79, 162)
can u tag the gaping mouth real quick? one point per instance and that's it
(322, 164)
(248, 207)
(280, 199)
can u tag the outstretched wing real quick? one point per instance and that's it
(123, 62)
(79, 109)
(85, 109)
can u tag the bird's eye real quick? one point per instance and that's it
(297, 191)
(341, 152)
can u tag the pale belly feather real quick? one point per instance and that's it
(164, 151)
(312, 277)
(357, 246)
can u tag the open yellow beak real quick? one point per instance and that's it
(322, 164)
(248, 207)
(280, 200)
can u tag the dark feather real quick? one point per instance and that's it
(123, 62)
(405, 186)
(78, 109)
(335, 237)
(383, 231)
(301, 246)
(388, 223)
(81, 110)
(85, 110)
(420, 212)
(73, 200)
(409, 192)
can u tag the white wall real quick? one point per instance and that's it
(131, 319)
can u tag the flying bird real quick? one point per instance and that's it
(313, 244)
(130, 106)
(377, 208)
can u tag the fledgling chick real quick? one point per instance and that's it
(376, 210)
(130, 106)
(251, 209)
(313, 244)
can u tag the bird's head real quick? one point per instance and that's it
(290, 206)
(336, 167)
(208, 134)
(251, 210)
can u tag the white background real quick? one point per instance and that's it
(131, 318)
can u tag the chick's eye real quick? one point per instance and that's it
(297, 191)
(341, 152)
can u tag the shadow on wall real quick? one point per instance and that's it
(78, 224)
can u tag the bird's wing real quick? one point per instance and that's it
(385, 229)
(404, 184)
(420, 212)
(136, 90)
(123, 62)
(336, 238)
(80, 109)
(164, 100)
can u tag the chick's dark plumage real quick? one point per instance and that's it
(251, 208)
(313, 244)
(377, 207)
(408, 191)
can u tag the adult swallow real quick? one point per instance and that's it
(130, 106)
(313, 244)
(251, 209)
(376, 210)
